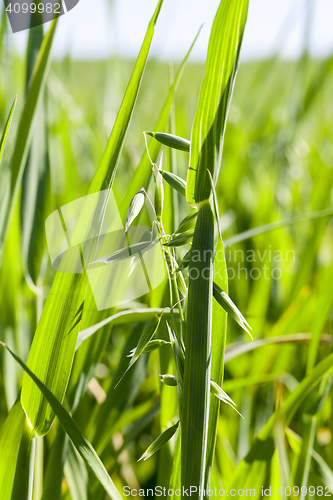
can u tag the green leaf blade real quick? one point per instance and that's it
(81, 444)
(215, 95)
(219, 338)
(160, 441)
(10, 440)
(6, 130)
(196, 386)
(25, 128)
(52, 352)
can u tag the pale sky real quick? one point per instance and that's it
(96, 28)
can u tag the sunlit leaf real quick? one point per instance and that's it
(159, 442)
(214, 100)
(82, 445)
(61, 317)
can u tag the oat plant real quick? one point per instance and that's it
(142, 393)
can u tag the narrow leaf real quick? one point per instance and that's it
(159, 442)
(215, 203)
(35, 194)
(23, 482)
(10, 439)
(225, 301)
(118, 400)
(196, 386)
(215, 95)
(159, 192)
(143, 173)
(216, 390)
(53, 348)
(121, 318)
(7, 127)
(152, 345)
(238, 348)
(219, 339)
(185, 262)
(181, 285)
(145, 338)
(256, 231)
(76, 475)
(263, 446)
(188, 222)
(25, 129)
(82, 445)
(125, 253)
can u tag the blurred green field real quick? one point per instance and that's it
(277, 165)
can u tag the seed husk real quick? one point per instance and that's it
(172, 141)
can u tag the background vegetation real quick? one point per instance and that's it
(277, 165)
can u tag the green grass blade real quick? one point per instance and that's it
(319, 464)
(324, 307)
(34, 44)
(124, 253)
(215, 204)
(143, 173)
(225, 301)
(81, 444)
(23, 482)
(180, 239)
(188, 222)
(175, 480)
(256, 231)
(179, 356)
(133, 429)
(263, 446)
(215, 95)
(10, 440)
(219, 393)
(55, 339)
(3, 27)
(36, 177)
(160, 441)
(122, 318)
(118, 400)
(152, 345)
(144, 340)
(53, 475)
(304, 462)
(219, 334)
(108, 165)
(196, 385)
(159, 193)
(9, 309)
(7, 127)
(25, 128)
(239, 348)
(76, 475)
(35, 200)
